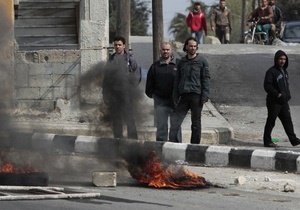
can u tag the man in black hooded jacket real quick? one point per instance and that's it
(191, 90)
(278, 94)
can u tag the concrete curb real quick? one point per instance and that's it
(210, 135)
(264, 159)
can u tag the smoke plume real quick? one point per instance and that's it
(6, 69)
(117, 85)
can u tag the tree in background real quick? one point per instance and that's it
(290, 9)
(139, 17)
(178, 28)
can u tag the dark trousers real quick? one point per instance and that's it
(164, 108)
(223, 34)
(282, 111)
(121, 110)
(189, 101)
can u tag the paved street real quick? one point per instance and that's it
(262, 190)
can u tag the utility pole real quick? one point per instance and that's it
(243, 20)
(123, 20)
(157, 30)
(157, 27)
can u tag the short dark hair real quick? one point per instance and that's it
(197, 3)
(187, 42)
(120, 38)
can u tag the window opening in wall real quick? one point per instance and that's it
(47, 24)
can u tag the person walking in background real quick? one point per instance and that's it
(159, 86)
(197, 23)
(265, 15)
(121, 78)
(277, 19)
(278, 94)
(191, 90)
(221, 22)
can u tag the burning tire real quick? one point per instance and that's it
(22, 176)
(154, 173)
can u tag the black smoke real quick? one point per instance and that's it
(6, 69)
(118, 85)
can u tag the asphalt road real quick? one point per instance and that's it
(238, 94)
(261, 190)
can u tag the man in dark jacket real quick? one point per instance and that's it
(265, 15)
(277, 19)
(159, 86)
(119, 86)
(221, 22)
(191, 90)
(278, 94)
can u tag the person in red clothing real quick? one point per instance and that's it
(197, 23)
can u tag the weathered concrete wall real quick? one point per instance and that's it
(42, 77)
(94, 38)
(45, 76)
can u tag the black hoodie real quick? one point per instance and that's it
(276, 81)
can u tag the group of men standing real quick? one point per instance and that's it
(176, 85)
(179, 85)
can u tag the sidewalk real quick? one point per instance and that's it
(215, 129)
(78, 139)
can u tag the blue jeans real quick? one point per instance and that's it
(266, 28)
(163, 108)
(198, 36)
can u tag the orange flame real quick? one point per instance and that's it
(156, 175)
(10, 168)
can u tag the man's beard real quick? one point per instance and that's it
(166, 56)
(192, 52)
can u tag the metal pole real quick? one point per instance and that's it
(123, 20)
(243, 19)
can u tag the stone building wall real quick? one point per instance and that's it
(41, 77)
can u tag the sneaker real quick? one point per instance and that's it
(271, 145)
(296, 142)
